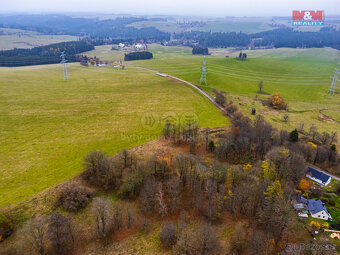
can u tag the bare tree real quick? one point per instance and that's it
(285, 117)
(334, 137)
(313, 132)
(168, 234)
(173, 190)
(211, 190)
(183, 219)
(301, 127)
(99, 170)
(161, 205)
(260, 87)
(117, 217)
(33, 236)
(238, 240)
(102, 212)
(147, 196)
(59, 234)
(125, 159)
(130, 216)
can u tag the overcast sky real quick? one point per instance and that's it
(182, 7)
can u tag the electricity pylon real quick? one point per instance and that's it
(204, 73)
(63, 61)
(335, 79)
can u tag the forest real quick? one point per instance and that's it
(49, 54)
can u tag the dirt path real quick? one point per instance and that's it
(326, 117)
(190, 84)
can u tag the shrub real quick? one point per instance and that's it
(59, 234)
(74, 197)
(231, 108)
(277, 102)
(99, 170)
(294, 136)
(315, 224)
(168, 234)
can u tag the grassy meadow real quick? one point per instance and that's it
(301, 76)
(23, 39)
(47, 125)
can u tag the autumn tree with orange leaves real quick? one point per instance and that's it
(304, 185)
(277, 102)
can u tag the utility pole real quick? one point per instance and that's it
(63, 61)
(334, 80)
(204, 73)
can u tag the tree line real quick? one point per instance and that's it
(138, 55)
(283, 37)
(49, 54)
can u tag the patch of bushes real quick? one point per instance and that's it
(168, 234)
(73, 197)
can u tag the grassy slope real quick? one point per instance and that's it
(302, 76)
(48, 125)
(15, 38)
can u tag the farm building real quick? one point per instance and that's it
(318, 176)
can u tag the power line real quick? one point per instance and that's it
(63, 61)
(334, 80)
(204, 73)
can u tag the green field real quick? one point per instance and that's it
(47, 125)
(16, 38)
(302, 76)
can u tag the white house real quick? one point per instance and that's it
(318, 176)
(318, 209)
(139, 47)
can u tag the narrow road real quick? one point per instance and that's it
(190, 84)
